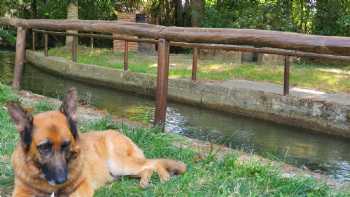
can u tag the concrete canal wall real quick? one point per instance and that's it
(318, 111)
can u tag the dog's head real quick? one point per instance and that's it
(50, 138)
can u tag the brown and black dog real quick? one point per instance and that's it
(53, 158)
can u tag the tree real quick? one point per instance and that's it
(72, 13)
(330, 16)
(197, 14)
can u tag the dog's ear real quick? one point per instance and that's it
(23, 121)
(69, 109)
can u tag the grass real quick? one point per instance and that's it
(8, 138)
(206, 176)
(329, 78)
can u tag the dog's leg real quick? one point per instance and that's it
(162, 173)
(145, 177)
(134, 167)
(144, 168)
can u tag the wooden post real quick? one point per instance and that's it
(33, 40)
(92, 42)
(286, 75)
(46, 44)
(126, 50)
(162, 83)
(75, 49)
(20, 55)
(194, 63)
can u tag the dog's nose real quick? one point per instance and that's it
(61, 176)
(60, 179)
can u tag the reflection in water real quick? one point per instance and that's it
(293, 145)
(297, 146)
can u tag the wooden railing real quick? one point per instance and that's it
(246, 40)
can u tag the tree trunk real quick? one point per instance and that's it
(72, 13)
(179, 14)
(34, 9)
(197, 7)
(219, 4)
(187, 14)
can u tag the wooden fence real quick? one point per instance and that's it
(246, 40)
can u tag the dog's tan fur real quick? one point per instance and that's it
(95, 158)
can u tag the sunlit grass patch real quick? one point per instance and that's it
(329, 78)
(43, 106)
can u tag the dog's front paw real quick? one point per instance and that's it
(164, 177)
(144, 183)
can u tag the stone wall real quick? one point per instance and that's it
(318, 111)
(233, 56)
(269, 59)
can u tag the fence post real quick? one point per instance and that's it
(92, 42)
(162, 83)
(75, 49)
(126, 51)
(46, 44)
(20, 55)
(33, 40)
(194, 63)
(286, 75)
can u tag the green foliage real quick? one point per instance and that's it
(343, 24)
(308, 16)
(219, 18)
(92, 9)
(324, 17)
(332, 17)
(8, 36)
(272, 15)
(57, 9)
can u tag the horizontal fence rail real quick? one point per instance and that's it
(260, 38)
(241, 48)
(103, 36)
(245, 40)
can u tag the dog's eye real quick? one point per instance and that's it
(45, 147)
(65, 145)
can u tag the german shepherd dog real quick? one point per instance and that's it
(52, 158)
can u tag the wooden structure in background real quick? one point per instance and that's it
(194, 63)
(118, 45)
(46, 44)
(20, 56)
(260, 41)
(286, 75)
(162, 82)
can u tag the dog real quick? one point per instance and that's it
(53, 159)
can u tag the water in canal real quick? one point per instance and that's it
(322, 153)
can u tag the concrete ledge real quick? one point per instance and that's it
(318, 111)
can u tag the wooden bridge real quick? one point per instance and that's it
(247, 40)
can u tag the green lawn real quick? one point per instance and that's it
(329, 78)
(206, 176)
